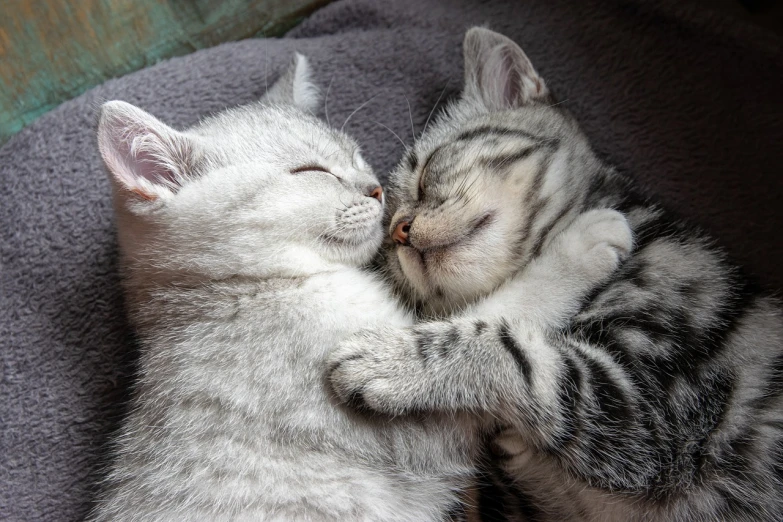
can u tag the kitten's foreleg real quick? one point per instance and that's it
(552, 288)
(474, 361)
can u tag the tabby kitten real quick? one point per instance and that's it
(242, 240)
(660, 398)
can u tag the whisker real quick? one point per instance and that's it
(357, 109)
(326, 101)
(433, 108)
(410, 115)
(405, 147)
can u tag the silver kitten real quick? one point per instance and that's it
(242, 240)
(658, 396)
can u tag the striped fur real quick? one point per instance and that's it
(658, 397)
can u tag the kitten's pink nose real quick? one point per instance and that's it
(377, 193)
(400, 234)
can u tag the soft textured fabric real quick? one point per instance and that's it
(683, 99)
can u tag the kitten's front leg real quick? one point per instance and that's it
(433, 366)
(475, 361)
(552, 288)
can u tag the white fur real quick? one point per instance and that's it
(242, 272)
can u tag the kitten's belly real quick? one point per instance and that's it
(243, 425)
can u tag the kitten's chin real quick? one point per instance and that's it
(442, 280)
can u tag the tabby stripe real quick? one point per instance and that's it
(505, 160)
(534, 205)
(481, 326)
(600, 332)
(336, 365)
(775, 382)
(777, 464)
(609, 190)
(734, 310)
(491, 507)
(452, 339)
(429, 158)
(424, 347)
(570, 396)
(510, 344)
(534, 193)
(489, 130)
(773, 387)
(412, 160)
(716, 393)
(658, 227)
(524, 235)
(609, 395)
(543, 234)
(517, 504)
(740, 459)
(525, 507)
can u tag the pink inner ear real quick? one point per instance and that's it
(512, 79)
(508, 80)
(152, 164)
(139, 156)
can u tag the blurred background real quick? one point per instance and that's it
(53, 50)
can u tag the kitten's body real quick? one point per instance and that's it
(233, 421)
(242, 240)
(660, 399)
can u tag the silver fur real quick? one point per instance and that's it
(658, 396)
(242, 270)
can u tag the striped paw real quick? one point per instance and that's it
(374, 371)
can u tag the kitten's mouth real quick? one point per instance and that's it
(420, 265)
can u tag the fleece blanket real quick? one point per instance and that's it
(683, 99)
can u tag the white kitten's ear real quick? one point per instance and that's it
(498, 73)
(143, 155)
(295, 87)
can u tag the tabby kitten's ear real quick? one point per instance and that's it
(295, 87)
(498, 73)
(144, 155)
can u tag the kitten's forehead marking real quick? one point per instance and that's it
(492, 149)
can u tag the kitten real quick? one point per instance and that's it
(659, 398)
(242, 240)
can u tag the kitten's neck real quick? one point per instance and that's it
(146, 269)
(155, 291)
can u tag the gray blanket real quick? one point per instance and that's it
(682, 99)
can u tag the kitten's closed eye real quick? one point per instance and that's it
(420, 194)
(310, 168)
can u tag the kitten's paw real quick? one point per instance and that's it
(598, 241)
(371, 371)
